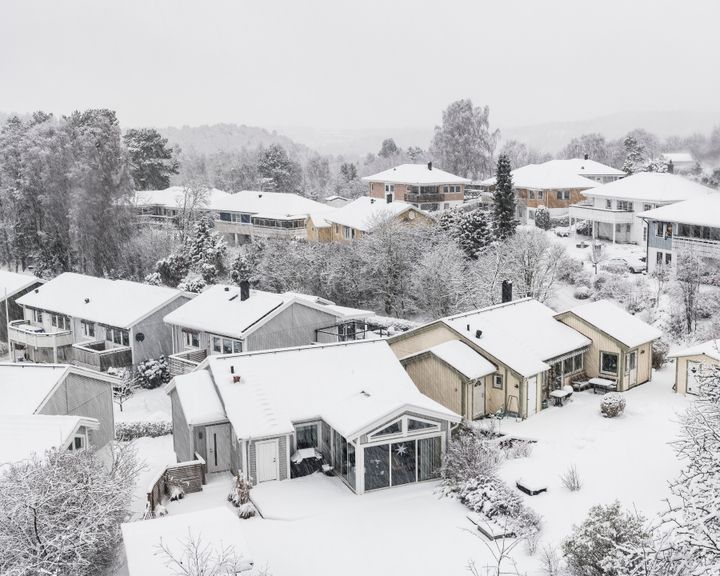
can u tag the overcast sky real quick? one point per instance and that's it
(365, 64)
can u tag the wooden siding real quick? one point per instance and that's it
(550, 199)
(183, 441)
(421, 339)
(80, 395)
(294, 326)
(158, 335)
(681, 369)
(438, 381)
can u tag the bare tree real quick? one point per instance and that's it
(125, 387)
(195, 558)
(689, 277)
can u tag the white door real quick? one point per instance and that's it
(266, 461)
(478, 400)
(693, 383)
(217, 442)
(632, 361)
(532, 396)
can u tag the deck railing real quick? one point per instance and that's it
(189, 475)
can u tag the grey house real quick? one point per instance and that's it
(94, 322)
(352, 403)
(231, 319)
(12, 287)
(53, 405)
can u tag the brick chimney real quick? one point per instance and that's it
(244, 290)
(429, 165)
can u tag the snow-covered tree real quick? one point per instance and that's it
(504, 198)
(473, 232)
(61, 513)
(689, 270)
(439, 280)
(284, 173)
(634, 155)
(542, 217)
(197, 558)
(125, 387)
(594, 145)
(152, 161)
(388, 148)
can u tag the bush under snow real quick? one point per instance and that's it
(153, 373)
(126, 431)
(612, 404)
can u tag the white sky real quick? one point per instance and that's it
(334, 64)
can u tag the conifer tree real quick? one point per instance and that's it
(504, 198)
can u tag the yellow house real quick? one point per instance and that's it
(621, 348)
(692, 362)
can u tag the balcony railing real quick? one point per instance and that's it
(425, 198)
(584, 212)
(698, 246)
(187, 361)
(24, 332)
(101, 355)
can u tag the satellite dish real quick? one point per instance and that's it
(139, 336)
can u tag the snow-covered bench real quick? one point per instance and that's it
(489, 528)
(531, 486)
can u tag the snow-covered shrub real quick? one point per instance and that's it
(584, 228)
(126, 431)
(607, 543)
(542, 218)
(660, 349)
(154, 279)
(192, 283)
(153, 373)
(517, 449)
(612, 404)
(240, 497)
(708, 305)
(573, 272)
(611, 287)
(551, 562)
(470, 456)
(571, 479)
(582, 293)
(560, 222)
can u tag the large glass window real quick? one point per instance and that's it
(377, 467)
(609, 362)
(419, 425)
(222, 345)
(118, 336)
(429, 458)
(88, 328)
(403, 462)
(306, 436)
(394, 428)
(191, 339)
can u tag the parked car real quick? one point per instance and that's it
(562, 231)
(632, 265)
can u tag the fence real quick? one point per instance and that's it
(189, 475)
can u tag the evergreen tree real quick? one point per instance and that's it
(542, 218)
(634, 155)
(504, 197)
(152, 161)
(285, 174)
(388, 149)
(473, 232)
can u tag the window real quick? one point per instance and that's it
(608, 362)
(498, 382)
(389, 187)
(658, 258)
(624, 206)
(568, 365)
(608, 204)
(222, 345)
(578, 362)
(191, 339)
(420, 425)
(394, 428)
(37, 316)
(446, 189)
(563, 194)
(59, 321)
(668, 258)
(647, 207)
(306, 436)
(540, 194)
(225, 216)
(88, 328)
(118, 336)
(78, 443)
(644, 232)
(245, 218)
(348, 232)
(630, 362)
(531, 194)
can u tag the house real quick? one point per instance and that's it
(352, 403)
(230, 319)
(216, 529)
(556, 185)
(336, 201)
(621, 348)
(94, 322)
(53, 406)
(613, 208)
(12, 286)
(678, 161)
(691, 363)
(512, 356)
(169, 205)
(421, 185)
(691, 226)
(354, 220)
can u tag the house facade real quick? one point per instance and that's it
(422, 185)
(12, 287)
(695, 363)
(93, 322)
(352, 404)
(231, 319)
(613, 208)
(688, 227)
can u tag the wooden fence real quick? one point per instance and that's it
(189, 475)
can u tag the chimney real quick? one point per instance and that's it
(478, 333)
(587, 156)
(506, 291)
(468, 327)
(244, 290)
(429, 165)
(372, 200)
(670, 167)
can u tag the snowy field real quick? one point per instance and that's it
(145, 406)
(312, 526)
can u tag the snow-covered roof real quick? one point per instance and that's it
(365, 212)
(711, 349)
(23, 436)
(523, 334)
(463, 358)
(219, 310)
(701, 211)
(416, 175)
(617, 323)
(678, 157)
(351, 386)
(651, 187)
(270, 204)
(559, 175)
(216, 528)
(174, 197)
(12, 282)
(24, 387)
(119, 303)
(200, 402)
(319, 220)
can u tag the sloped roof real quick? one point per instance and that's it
(462, 358)
(651, 187)
(363, 213)
(522, 334)
(559, 174)
(711, 349)
(24, 387)
(416, 175)
(270, 204)
(174, 197)
(216, 528)
(616, 322)
(12, 282)
(700, 211)
(198, 398)
(119, 303)
(350, 386)
(220, 310)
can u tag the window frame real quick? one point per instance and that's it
(498, 378)
(88, 328)
(314, 426)
(603, 354)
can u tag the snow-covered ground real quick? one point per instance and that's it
(145, 406)
(315, 526)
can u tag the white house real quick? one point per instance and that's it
(613, 208)
(93, 322)
(226, 319)
(353, 403)
(690, 226)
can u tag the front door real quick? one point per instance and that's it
(266, 460)
(217, 442)
(632, 361)
(532, 396)
(478, 400)
(693, 383)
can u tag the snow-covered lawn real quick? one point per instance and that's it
(154, 454)
(145, 406)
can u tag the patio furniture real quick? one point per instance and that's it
(559, 396)
(580, 382)
(305, 461)
(602, 385)
(531, 487)
(489, 528)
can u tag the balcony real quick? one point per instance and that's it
(27, 334)
(588, 212)
(187, 361)
(100, 355)
(423, 198)
(699, 247)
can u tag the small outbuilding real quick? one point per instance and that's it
(692, 363)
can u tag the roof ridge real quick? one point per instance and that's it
(297, 348)
(488, 308)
